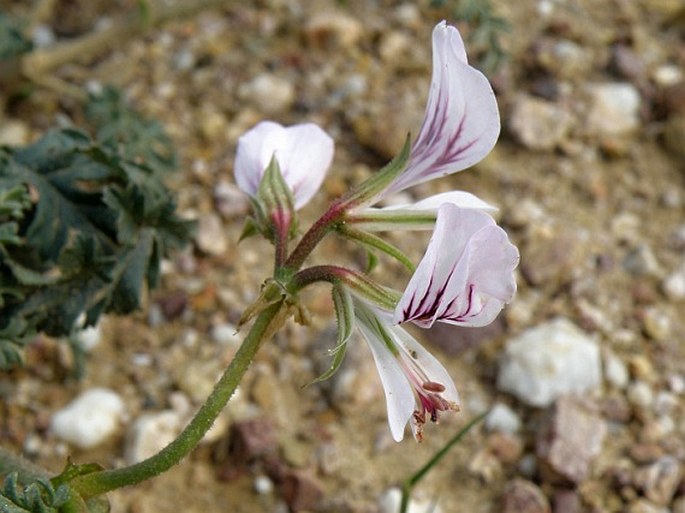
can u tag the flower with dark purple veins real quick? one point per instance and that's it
(461, 124)
(467, 274)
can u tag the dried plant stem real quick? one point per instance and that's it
(36, 66)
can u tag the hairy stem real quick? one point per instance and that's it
(97, 483)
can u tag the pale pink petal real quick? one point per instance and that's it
(304, 154)
(459, 198)
(461, 124)
(417, 387)
(467, 274)
(399, 396)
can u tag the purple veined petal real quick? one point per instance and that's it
(461, 123)
(417, 387)
(459, 198)
(467, 274)
(304, 153)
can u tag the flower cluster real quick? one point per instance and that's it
(466, 275)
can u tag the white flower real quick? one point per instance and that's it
(461, 123)
(467, 274)
(417, 387)
(304, 154)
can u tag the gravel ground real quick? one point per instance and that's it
(586, 367)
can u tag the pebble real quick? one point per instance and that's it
(645, 506)
(263, 485)
(301, 491)
(522, 496)
(656, 324)
(390, 503)
(659, 481)
(503, 418)
(640, 394)
(566, 501)
(539, 124)
(89, 338)
(271, 94)
(333, 28)
(90, 419)
(642, 261)
(571, 437)
(226, 334)
(613, 109)
(548, 361)
(14, 133)
(674, 284)
(252, 439)
(615, 370)
(211, 236)
(151, 432)
(230, 201)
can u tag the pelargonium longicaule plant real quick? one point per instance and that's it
(465, 277)
(467, 273)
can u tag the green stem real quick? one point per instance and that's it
(413, 480)
(101, 482)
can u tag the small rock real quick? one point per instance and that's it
(566, 501)
(502, 418)
(150, 433)
(659, 481)
(674, 284)
(506, 447)
(656, 324)
(230, 201)
(252, 439)
(615, 370)
(521, 496)
(539, 124)
(301, 491)
(642, 261)
(14, 133)
(613, 110)
(645, 506)
(226, 334)
(551, 360)
(333, 28)
(391, 500)
(89, 337)
(89, 419)
(486, 466)
(211, 237)
(269, 93)
(263, 485)
(173, 304)
(640, 394)
(570, 439)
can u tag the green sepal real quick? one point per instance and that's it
(276, 201)
(373, 242)
(367, 191)
(344, 315)
(250, 229)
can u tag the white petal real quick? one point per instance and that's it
(466, 275)
(304, 153)
(461, 124)
(255, 148)
(429, 363)
(399, 396)
(307, 155)
(459, 198)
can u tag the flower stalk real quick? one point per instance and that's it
(97, 483)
